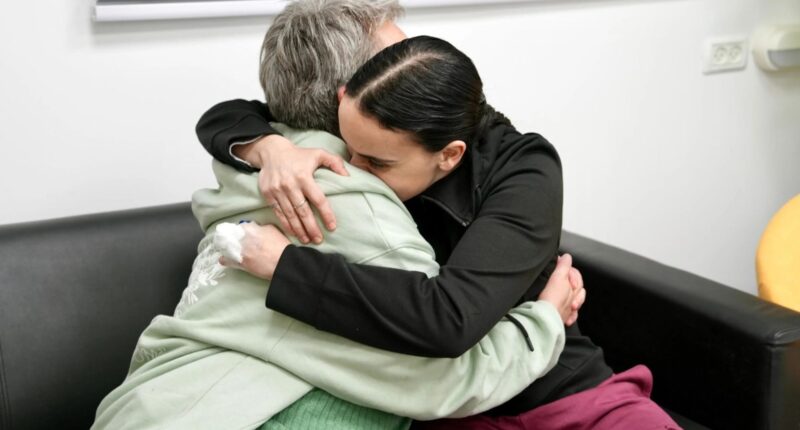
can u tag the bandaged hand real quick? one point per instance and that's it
(254, 248)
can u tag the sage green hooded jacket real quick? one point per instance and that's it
(224, 361)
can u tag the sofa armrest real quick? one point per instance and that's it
(719, 356)
(75, 293)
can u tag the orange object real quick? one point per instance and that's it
(778, 257)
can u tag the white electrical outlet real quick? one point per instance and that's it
(722, 55)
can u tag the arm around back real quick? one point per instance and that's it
(231, 122)
(488, 374)
(506, 247)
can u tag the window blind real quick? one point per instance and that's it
(139, 10)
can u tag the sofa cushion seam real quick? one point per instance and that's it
(5, 408)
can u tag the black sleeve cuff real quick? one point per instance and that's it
(249, 128)
(297, 286)
(230, 122)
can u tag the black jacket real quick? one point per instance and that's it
(495, 224)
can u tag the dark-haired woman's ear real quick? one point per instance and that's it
(451, 155)
(340, 93)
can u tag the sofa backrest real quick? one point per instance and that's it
(75, 294)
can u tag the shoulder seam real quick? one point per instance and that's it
(377, 255)
(375, 222)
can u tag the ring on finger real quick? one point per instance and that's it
(301, 204)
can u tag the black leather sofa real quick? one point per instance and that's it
(75, 293)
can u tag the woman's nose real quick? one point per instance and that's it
(359, 162)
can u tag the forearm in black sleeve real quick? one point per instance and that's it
(379, 302)
(230, 122)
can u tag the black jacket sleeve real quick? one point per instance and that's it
(230, 122)
(513, 237)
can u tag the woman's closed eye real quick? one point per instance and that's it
(377, 164)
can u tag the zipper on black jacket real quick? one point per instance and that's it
(462, 221)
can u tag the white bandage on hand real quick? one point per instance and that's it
(228, 241)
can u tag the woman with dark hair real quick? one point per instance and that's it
(489, 200)
(426, 98)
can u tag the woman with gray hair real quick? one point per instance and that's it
(222, 361)
(312, 48)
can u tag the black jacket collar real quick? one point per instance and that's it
(459, 193)
(455, 193)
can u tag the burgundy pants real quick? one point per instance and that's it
(620, 402)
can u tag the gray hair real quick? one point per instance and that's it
(311, 49)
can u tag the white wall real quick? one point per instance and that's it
(660, 159)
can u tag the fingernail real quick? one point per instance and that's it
(304, 239)
(332, 226)
(317, 240)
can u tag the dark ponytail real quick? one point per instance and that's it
(489, 118)
(426, 87)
